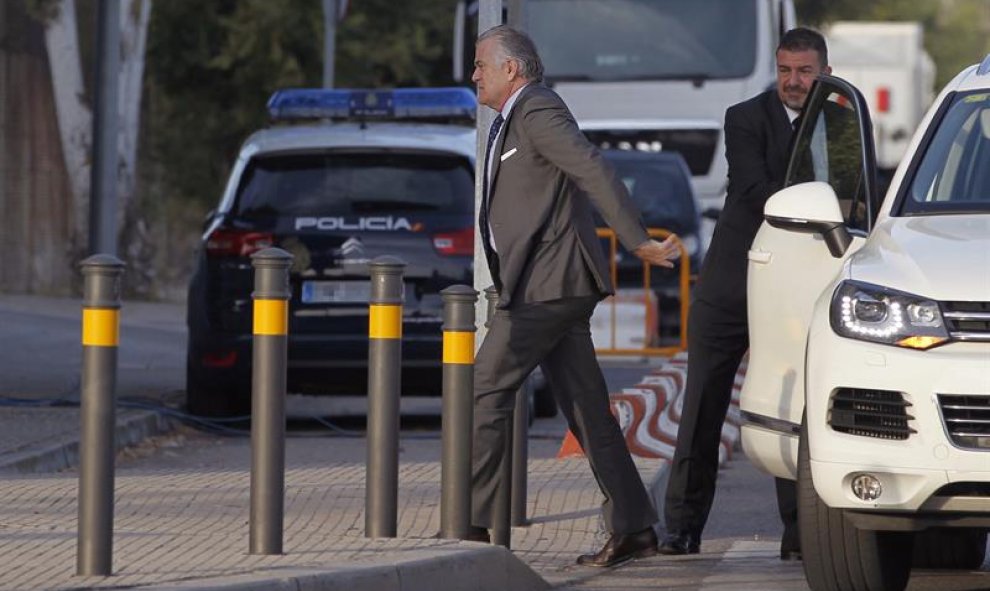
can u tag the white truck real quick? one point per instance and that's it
(887, 61)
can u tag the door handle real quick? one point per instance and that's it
(760, 256)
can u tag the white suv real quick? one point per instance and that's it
(869, 368)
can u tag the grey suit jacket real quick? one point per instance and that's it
(545, 178)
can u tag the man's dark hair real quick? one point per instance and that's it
(804, 39)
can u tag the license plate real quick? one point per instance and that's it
(336, 292)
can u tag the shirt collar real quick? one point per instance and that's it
(791, 113)
(509, 102)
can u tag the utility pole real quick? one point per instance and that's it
(489, 15)
(330, 16)
(103, 194)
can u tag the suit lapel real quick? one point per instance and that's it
(499, 147)
(780, 124)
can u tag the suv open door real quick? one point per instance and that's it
(830, 196)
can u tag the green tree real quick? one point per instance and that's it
(213, 65)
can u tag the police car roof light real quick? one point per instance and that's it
(400, 103)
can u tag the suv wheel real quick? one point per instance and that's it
(207, 397)
(836, 555)
(962, 549)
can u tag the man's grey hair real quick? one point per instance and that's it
(516, 45)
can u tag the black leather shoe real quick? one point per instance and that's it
(790, 555)
(623, 547)
(478, 534)
(679, 543)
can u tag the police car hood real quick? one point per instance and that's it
(944, 257)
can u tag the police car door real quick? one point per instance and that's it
(831, 174)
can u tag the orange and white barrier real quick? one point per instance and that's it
(649, 413)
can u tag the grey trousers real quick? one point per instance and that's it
(557, 336)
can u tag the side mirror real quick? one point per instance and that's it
(810, 208)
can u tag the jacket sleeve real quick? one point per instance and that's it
(746, 153)
(555, 136)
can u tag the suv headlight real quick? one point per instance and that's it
(878, 314)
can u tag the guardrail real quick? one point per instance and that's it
(684, 291)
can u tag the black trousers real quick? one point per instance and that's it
(717, 341)
(557, 336)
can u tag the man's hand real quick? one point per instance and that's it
(661, 254)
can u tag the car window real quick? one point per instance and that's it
(661, 191)
(953, 175)
(338, 183)
(829, 148)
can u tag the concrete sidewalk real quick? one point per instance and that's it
(189, 530)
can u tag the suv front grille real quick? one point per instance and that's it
(966, 419)
(870, 413)
(967, 321)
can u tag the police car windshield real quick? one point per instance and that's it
(338, 183)
(644, 39)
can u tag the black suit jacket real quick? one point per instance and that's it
(757, 143)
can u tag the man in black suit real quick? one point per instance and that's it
(542, 180)
(757, 145)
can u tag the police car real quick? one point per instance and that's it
(371, 173)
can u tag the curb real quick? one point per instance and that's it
(465, 567)
(53, 457)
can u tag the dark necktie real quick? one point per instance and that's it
(483, 224)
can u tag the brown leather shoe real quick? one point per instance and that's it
(623, 547)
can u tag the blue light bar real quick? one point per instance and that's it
(401, 103)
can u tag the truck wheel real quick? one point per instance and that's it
(950, 548)
(836, 555)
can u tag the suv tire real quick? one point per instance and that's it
(207, 397)
(836, 555)
(950, 548)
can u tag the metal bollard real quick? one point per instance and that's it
(268, 388)
(384, 387)
(502, 510)
(100, 336)
(458, 410)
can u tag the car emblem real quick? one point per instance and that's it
(352, 246)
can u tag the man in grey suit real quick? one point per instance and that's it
(542, 178)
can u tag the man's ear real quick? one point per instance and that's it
(511, 68)
(827, 70)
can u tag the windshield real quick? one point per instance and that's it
(338, 183)
(954, 175)
(660, 187)
(644, 39)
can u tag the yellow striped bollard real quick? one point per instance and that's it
(458, 410)
(384, 387)
(268, 389)
(100, 335)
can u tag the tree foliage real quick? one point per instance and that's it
(213, 65)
